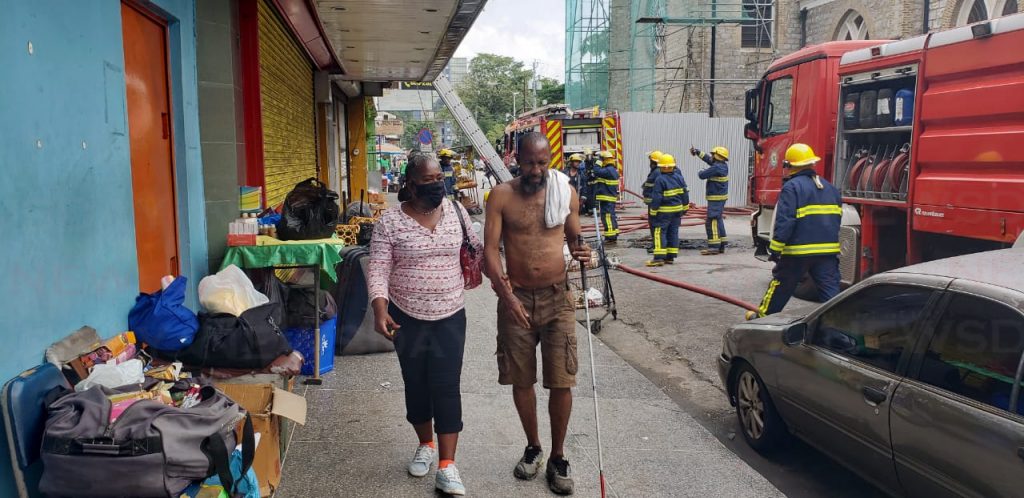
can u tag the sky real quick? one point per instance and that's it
(525, 30)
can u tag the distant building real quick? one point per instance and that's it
(423, 104)
(621, 57)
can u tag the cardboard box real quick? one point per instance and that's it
(267, 405)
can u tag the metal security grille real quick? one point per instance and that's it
(286, 103)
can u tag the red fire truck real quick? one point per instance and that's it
(924, 137)
(568, 132)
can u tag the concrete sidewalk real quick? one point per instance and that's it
(357, 443)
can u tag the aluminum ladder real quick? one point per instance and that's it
(471, 129)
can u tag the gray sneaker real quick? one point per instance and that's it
(559, 477)
(529, 466)
(448, 481)
(420, 464)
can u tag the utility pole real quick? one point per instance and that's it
(714, 40)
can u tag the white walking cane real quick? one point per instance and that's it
(590, 342)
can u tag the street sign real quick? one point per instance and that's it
(416, 85)
(425, 137)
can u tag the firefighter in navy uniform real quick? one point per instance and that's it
(444, 157)
(716, 177)
(669, 201)
(648, 186)
(577, 178)
(604, 183)
(805, 237)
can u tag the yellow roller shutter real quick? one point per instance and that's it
(288, 115)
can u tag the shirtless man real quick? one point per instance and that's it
(534, 304)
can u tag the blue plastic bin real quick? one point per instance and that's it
(301, 340)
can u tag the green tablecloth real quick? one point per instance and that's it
(324, 253)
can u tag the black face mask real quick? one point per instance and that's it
(431, 193)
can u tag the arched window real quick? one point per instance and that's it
(1010, 7)
(972, 11)
(853, 27)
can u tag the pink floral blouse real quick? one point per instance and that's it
(416, 269)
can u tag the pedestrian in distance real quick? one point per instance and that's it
(445, 157)
(716, 177)
(535, 305)
(416, 291)
(805, 238)
(652, 175)
(669, 201)
(604, 183)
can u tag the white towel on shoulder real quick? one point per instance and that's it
(559, 196)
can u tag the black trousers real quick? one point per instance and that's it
(790, 270)
(430, 354)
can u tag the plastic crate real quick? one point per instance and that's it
(301, 340)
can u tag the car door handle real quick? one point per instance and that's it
(873, 394)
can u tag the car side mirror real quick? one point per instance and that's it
(795, 334)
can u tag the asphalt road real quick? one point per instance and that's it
(677, 349)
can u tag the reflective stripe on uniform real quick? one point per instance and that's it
(606, 198)
(614, 183)
(672, 192)
(776, 246)
(767, 299)
(671, 209)
(808, 249)
(658, 249)
(813, 209)
(647, 200)
(718, 179)
(673, 250)
(718, 197)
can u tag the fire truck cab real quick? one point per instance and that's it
(922, 137)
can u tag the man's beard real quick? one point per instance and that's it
(530, 188)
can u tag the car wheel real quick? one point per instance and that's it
(760, 423)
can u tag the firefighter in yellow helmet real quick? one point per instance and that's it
(444, 157)
(716, 176)
(805, 238)
(604, 185)
(668, 203)
(652, 175)
(577, 178)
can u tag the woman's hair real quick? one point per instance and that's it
(415, 168)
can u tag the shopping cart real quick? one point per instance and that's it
(599, 295)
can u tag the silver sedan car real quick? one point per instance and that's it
(911, 378)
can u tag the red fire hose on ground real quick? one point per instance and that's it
(690, 287)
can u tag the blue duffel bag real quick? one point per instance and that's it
(162, 320)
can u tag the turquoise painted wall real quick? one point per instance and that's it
(67, 239)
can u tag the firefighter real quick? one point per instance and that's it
(578, 179)
(668, 202)
(716, 177)
(805, 237)
(444, 157)
(604, 183)
(652, 157)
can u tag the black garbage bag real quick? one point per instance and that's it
(310, 212)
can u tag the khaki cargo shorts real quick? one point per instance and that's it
(553, 316)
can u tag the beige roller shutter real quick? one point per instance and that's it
(286, 103)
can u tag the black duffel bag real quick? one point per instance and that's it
(310, 212)
(252, 340)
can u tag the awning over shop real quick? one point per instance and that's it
(397, 40)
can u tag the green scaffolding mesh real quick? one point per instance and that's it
(587, 30)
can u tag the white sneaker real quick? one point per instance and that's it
(420, 464)
(447, 481)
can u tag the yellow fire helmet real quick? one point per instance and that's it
(576, 157)
(654, 155)
(606, 154)
(666, 162)
(486, 196)
(445, 153)
(720, 152)
(800, 155)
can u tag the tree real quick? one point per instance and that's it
(487, 91)
(550, 90)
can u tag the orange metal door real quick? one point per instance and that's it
(149, 130)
